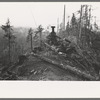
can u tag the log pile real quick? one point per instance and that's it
(66, 67)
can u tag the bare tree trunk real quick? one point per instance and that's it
(31, 43)
(9, 47)
(80, 23)
(22, 48)
(40, 39)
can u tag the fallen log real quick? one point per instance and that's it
(67, 67)
(64, 55)
(89, 64)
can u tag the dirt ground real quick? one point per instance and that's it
(36, 69)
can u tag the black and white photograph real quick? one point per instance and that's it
(54, 41)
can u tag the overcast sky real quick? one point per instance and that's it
(32, 14)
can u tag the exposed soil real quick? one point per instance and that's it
(36, 69)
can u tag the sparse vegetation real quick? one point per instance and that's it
(25, 53)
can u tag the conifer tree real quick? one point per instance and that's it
(30, 38)
(9, 35)
(39, 30)
(73, 21)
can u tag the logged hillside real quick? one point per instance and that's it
(71, 53)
